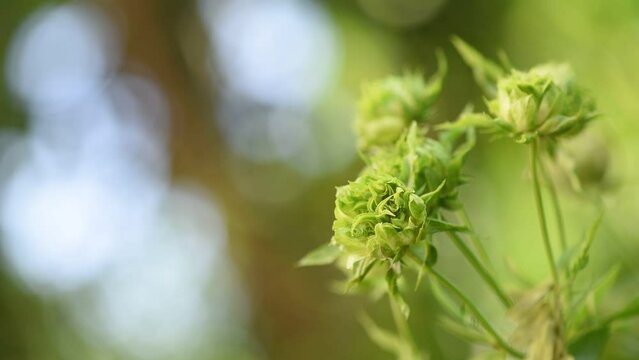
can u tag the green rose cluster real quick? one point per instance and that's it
(386, 219)
(394, 205)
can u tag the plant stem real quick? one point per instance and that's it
(477, 314)
(402, 327)
(534, 163)
(483, 272)
(541, 213)
(473, 237)
(556, 207)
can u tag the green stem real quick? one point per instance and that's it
(477, 314)
(483, 272)
(402, 327)
(473, 237)
(556, 207)
(540, 212)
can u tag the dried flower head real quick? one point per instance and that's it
(389, 106)
(539, 326)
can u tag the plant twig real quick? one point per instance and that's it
(477, 314)
(556, 207)
(474, 238)
(483, 272)
(402, 326)
(534, 149)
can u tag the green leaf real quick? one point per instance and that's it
(436, 81)
(383, 338)
(580, 307)
(590, 345)
(584, 256)
(362, 269)
(393, 292)
(387, 340)
(447, 303)
(426, 197)
(629, 311)
(465, 331)
(468, 120)
(435, 226)
(428, 259)
(486, 72)
(323, 255)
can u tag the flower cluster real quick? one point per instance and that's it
(409, 177)
(395, 203)
(411, 181)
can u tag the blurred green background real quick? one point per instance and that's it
(164, 164)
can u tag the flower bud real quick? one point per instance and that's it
(424, 164)
(378, 213)
(388, 107)
(543, 102)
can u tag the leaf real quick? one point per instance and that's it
(323, 255)
(464, 331)
(393, 292)
(362, 269)
(426, 197)
(590, 345)
(629, 311)
(428, 259)
(387, 340)
(383, 338)
(436, 81)
(468, 120)
(486, 72)
(435, 226)
(456, 320)
(460, 153)
(449, 305)
(579, 306)
(584, 256)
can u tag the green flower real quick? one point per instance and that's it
(424, 164)
(542, 102)
(377, 215)
(389, 106)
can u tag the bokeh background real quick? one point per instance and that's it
(164, 164)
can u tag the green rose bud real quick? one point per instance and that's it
(543, 102)
(424, 164)
(389, 106)
(376, 215)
